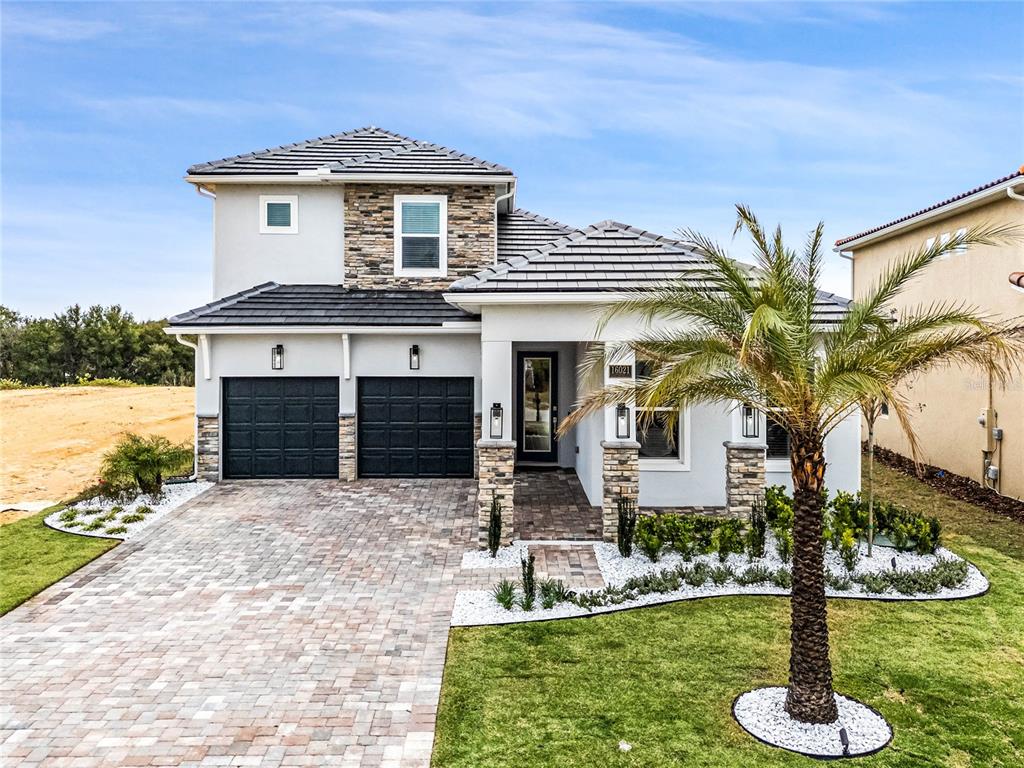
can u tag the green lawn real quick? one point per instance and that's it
(32, 557)
(949, 676)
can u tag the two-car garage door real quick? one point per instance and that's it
(287, 427)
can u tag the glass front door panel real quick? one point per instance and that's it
(536, 414)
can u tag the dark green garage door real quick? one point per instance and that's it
(415, 427)
(280, 427)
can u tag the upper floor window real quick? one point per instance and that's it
(944, 238)
(279, 214)
(421, 235)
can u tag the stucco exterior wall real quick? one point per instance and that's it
(946, 402)
(370, 233)
(243, 257)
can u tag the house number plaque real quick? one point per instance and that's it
(620, 371)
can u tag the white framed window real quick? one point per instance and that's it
(777, 439)
(421, 235)
(961, 248)
(660, 449)
(279, 214)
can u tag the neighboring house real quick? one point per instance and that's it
(950, 402)
(385, 310)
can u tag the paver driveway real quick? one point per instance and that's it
(268, 623)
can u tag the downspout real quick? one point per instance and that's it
(849, 257)
(497, 201)
(206, 371)
(1011, 192)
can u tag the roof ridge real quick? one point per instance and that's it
(296, 144)
(226, 301)
(460, 155)
(932, 207)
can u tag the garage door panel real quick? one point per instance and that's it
(280, 427)
(424, 429)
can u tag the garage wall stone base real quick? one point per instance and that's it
(208, 448)
(497, 459)
(347, 447)
(620, 472)
(744, 477)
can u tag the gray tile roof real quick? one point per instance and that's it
(520, 232)
(607, 256)
(330, 305)
(368, 150)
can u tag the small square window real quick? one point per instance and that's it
(279, 214)
(421, 235)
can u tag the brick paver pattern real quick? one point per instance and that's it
(552, 505)
(267, 623)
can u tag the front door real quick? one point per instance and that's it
(537, 407)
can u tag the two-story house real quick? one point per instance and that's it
(965, 422)
(385, 310)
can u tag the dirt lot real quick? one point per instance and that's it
(51, 440)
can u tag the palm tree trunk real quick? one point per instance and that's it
(810, 698)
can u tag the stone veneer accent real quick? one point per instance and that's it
(744, 477)
(347, 446)
(208, 448)
(497, 459)
(370, 233)
(478, 426)
(620, 473)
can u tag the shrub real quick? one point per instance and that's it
(684, 545)
(73, 524)
(529, 583)
(845, 511)
(91, 510)
(698, 576)
(849, 550)
(6, 384)
(873, 582)
(110, 381)
(142, 509)
(727, 539)
(627, 525)
(494, 527)
(505, 594)
(778, 507)
(756, 574)
(650, 544)
(783, 578)
(838, 583)
(721, 574)
(68, 515)
(552, 592)
(784, 544)
(116, 529)
(143, 462)
(756, 531)
(135, 517)
(95, 525)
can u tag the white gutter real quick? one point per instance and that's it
(468, 327)
(1011, 192)
(936, 213)
(203, 347)
(497, 201)
(204, 192)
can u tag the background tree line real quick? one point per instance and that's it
(95, 343)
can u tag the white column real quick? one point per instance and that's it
(496, 385)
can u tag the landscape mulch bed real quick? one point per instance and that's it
(957, 486)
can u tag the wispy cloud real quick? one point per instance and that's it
(162, 107)
(20, 22)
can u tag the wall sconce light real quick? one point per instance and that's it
(497, 422)
(622, 421)
(277, 357)
(414, 357)
(751, 422)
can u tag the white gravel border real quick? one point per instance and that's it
(762, 714)
(506, 557)
(174, 495)
(478, 607)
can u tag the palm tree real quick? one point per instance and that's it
(751, 335)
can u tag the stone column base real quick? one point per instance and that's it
(347, 447)
(497, 460)
(744, 477)
(477, 437)
(208, 448)
(620, 472)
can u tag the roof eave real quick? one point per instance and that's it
(314, 179)
(957, 206)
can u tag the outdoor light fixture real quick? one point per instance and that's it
(277, 357)
(750, 421)
(497, 422)
(414, 357)
(622, 421)
(844, 739)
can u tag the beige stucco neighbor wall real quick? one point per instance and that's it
(947, 402)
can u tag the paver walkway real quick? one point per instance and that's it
(268, 623)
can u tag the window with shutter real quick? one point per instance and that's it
(421, 235)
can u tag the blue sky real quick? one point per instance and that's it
(659, 115)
